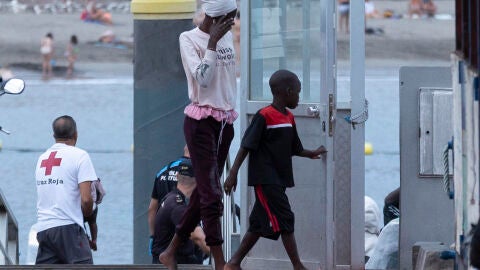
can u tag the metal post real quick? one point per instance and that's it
(328, 97)
(306, 49)
(227, 221)
(357, 94)
(160, 96)
(9, 254)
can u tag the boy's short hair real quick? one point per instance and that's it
(281, 80)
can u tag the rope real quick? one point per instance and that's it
(359, 118)
(446, 169)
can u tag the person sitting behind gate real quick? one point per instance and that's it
(168, 216)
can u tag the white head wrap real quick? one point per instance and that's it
(372, 225)
(215, 8)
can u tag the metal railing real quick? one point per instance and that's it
(231, 234)
(8, 234)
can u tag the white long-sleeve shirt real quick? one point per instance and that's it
(211, 75)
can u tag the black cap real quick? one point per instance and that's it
(186, 168)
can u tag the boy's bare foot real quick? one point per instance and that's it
(169, 261)
(231, 266)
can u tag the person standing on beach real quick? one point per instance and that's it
(429, 8)
(208, 57)
(71, 53)
(271, 140)
(415, 9)
(46, 49)
(63, 176)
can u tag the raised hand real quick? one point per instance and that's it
(218, 29)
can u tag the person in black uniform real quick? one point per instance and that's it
(168, 216)
(271, 140)
(391, 207)
(165, 181)
(475, 246)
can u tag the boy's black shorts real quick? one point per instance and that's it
(271, 214)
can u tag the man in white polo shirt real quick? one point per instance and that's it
(63, 177)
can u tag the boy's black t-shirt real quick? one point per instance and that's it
(271, 140)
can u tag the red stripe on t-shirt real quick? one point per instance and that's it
(263, 202)
(274, 117)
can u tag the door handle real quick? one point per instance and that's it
(331, 115)
(313, 111)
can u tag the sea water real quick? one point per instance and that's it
(103, 109)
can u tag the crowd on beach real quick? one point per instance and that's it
(91, 13)
(416, 9)
(60, 6)
(102, 12)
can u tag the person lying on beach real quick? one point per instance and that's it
(94, 14)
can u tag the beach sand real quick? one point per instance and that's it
(402, 39)
(21, 40)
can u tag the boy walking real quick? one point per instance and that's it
(271, 140)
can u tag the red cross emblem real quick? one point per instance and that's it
(50, 163)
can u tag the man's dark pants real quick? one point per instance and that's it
(66, 244)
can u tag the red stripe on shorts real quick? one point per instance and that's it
(263, 202)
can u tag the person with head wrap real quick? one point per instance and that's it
(208, 57)
(372, 226)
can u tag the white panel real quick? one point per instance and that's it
(442, 129)
(436, 129)
(426, 129)
(436, 209)
(457, 150)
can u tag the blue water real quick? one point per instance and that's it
(104, 117)
(103, 109)
(382, 168)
